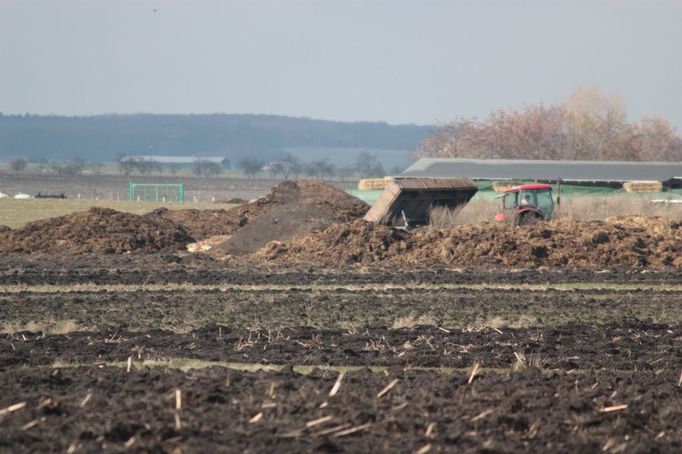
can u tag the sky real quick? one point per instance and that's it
(420, 61)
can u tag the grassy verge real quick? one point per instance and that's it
(17, 213)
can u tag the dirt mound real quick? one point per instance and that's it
(282, 223)
(353, 242)
(633, 242)
(202, 224)
(339, 203)
(98, 230)
(290, 209)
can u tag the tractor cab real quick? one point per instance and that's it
(526, 204)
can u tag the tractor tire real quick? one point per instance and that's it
(527, 219)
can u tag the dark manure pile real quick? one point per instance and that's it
(623, 242)
(98, 230)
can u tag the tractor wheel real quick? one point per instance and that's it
(527, 219)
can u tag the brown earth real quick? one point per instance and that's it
(353, 242)
(332, 204)
(300, 207)
(180, 267)
(310, 222)
(202, 224)
(282, 223)
(90, 409)
(622, 242)
(98, 230)
(290, 209)
(437, 369)
(624, 345)
(308, 192)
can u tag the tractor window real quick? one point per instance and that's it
(545, 202)
(527, 198)
(510, 200)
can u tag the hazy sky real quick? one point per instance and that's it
(397, 61)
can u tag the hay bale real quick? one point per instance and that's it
(643, 186)
(369, 184)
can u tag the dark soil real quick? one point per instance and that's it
(345, 309)
(283, 222)
(634, 242)
(290, 209)
(201, 224)
(92, 409)
(622, 346)
(591, 369)
(16, 268)
(309, 192)
(300, 208)
(348, 243)
(98, 230)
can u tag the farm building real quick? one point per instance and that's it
(595, 172)
(180, 161)
(578, 177)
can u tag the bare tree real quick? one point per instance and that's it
(293, 165)
(205, 168)
(589, 126)
(278, 168)
(367, 165)
(320, 169)
(18, 164)
(250, 167)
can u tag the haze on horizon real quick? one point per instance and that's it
(397, 61)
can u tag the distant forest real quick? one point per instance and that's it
(107, 137)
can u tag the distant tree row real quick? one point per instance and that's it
(64, 169)
(100, 138)
(200, 167)
(138, 166)
(289, 166)
(588, 126)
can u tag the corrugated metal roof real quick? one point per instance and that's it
(521, 169)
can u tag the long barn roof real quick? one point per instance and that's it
(521, 169)
(175, 159)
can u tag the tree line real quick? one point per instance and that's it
(588, 126)
(366, 165)
(288, 167)
(235, 136)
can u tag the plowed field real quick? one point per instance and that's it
(184, 353)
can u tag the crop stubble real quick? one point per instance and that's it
(570, 369)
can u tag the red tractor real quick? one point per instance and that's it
(527, 204)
